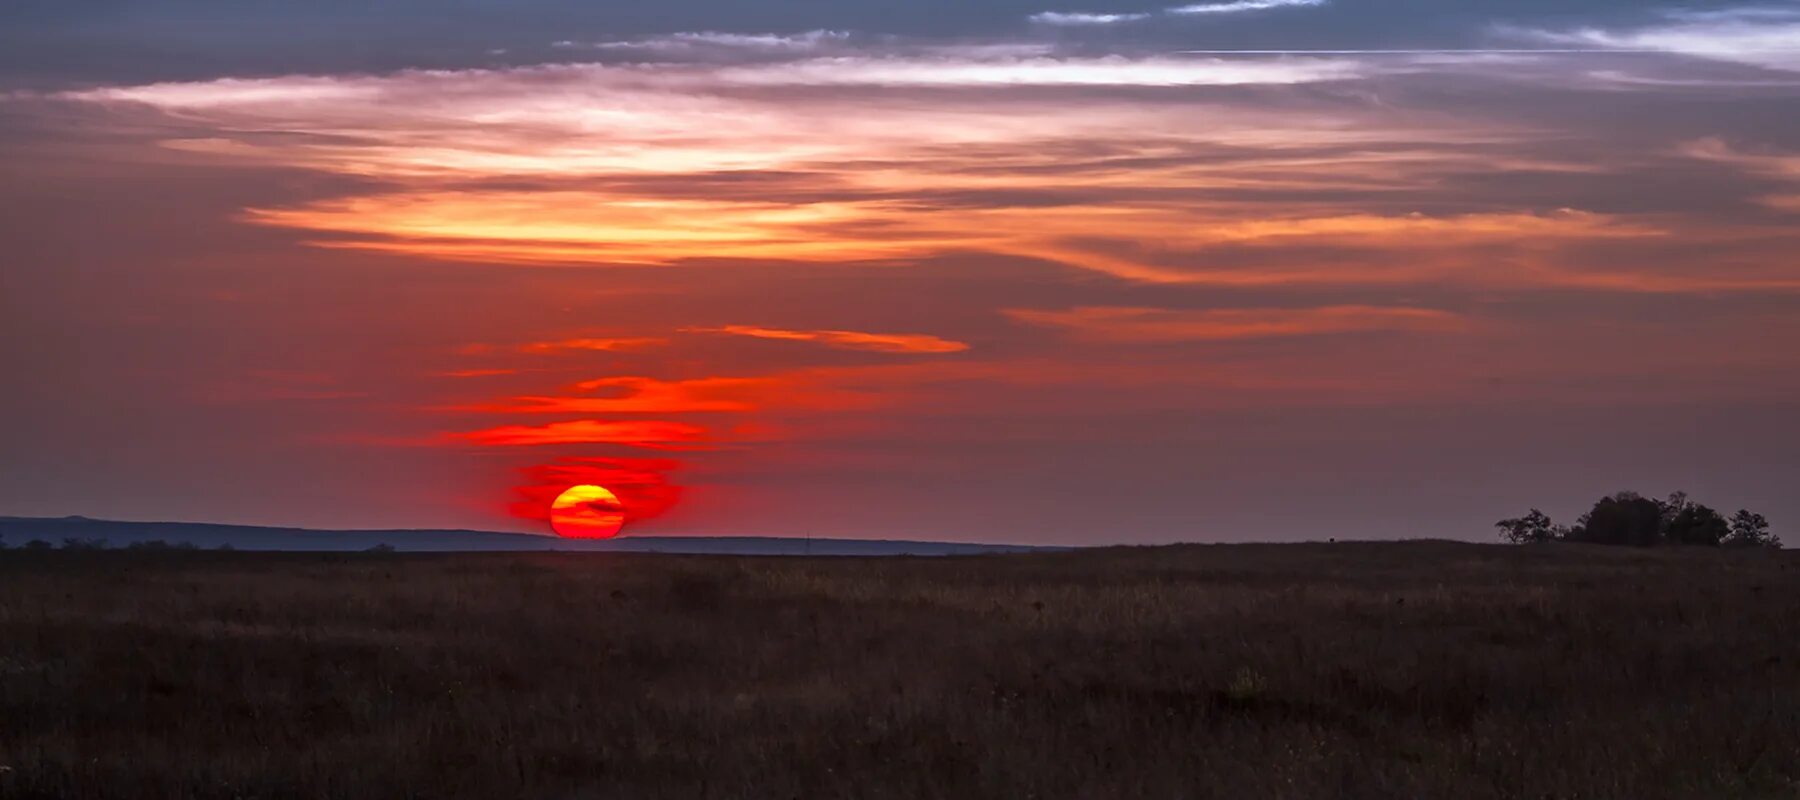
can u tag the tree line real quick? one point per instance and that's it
(1628, 518)
(102, 544)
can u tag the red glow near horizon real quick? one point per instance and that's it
(638, 487)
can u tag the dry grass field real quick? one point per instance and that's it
(1417, 670)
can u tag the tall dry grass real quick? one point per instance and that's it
(1369, 670)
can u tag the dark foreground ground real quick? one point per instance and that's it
(1406, 670)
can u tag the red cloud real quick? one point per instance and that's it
(658, 434)
(847, 340)
(639, 395)
(636, 395)
(589, 344)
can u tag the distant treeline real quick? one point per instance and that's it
(152, 545)
(102, 544)
(1628, 518)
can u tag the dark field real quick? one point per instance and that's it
(1306, 671)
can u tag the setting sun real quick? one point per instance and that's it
(587, 512)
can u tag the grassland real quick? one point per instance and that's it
(1308, 671)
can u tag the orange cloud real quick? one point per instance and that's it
(584, 227)
(847, 340)
(1189, 187)
(1125, 324)
(1147, 242)
(607, 345)
(637, 395)
(656, 434)
(640, 395)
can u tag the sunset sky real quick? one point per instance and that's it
(1004, 271)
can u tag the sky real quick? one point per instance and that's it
(1086, 273)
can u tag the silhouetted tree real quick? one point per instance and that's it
(1626, 518)
(1672, 507)
(37, 544)
(1695, 524)
(1532, 528)
(84, 544)
(1751, 530)
(384, 547)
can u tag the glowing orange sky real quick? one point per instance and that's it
(805, 279)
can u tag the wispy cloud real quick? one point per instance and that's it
(1146, 325)
(1780, 167)
(1242, 6)
(637, 395)
(1761, 36)
(1739, 13)
(1044, 71)
(599, 344)
(1079, 18)
(685, 42)
(847, 340)
(653, 434)
(970, 148)
(603, 344)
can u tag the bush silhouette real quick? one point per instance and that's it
(1696, 524)
(1530, 529)
(1628, 518)
(1751, 530)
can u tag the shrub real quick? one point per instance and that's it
(1529, 529)
(1696, 524)
(1626, 518)
(1751, 530)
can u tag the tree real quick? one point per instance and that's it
(1532, 528)
(1695, 524)
(1672, 507)
(1751, 530)
(1625, 518)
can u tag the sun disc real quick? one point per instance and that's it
(587, 512)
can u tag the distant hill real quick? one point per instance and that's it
(16, 531)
